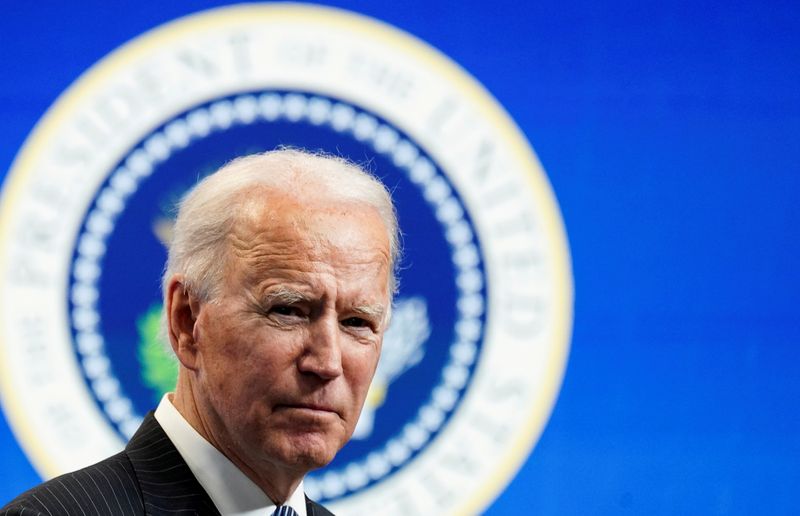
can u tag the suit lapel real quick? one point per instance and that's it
(166, 482)
(315, 509)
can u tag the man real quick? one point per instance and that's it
(277, 293)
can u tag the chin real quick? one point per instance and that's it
(310, 451)
(306, 460)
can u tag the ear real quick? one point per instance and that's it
(181, 311)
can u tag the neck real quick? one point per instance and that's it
(277, 483)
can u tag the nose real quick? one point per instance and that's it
(322, 353)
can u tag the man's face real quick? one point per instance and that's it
(287, 351)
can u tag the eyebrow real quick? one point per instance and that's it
(376, 311)
(285, 295)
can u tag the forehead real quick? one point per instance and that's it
(277, 230)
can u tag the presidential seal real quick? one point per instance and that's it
(476, 350)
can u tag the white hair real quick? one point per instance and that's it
(208, 212)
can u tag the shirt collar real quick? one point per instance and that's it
(232, 491)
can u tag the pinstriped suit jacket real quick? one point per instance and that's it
(149, 477)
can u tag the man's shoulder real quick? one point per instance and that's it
(108, 487)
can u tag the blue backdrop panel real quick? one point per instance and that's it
(670, 135)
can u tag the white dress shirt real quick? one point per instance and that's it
(231, 490)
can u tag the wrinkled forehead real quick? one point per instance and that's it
(271, 227)
(264, 210)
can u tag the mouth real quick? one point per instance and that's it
(311, 408)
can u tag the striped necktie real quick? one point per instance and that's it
(284, 510)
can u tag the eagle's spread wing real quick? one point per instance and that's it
(403, 343)
(403, 348)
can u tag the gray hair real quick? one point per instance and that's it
(207, 213)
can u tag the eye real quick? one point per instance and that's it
(357, 322)
(286, 310)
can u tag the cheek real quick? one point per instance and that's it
(252, 362)
(360, 367)
(228, 361)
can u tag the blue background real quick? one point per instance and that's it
(671, 135)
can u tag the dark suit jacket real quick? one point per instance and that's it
(148, 477)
